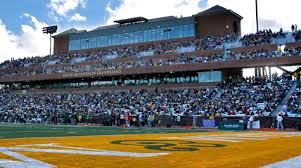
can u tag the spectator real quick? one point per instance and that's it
(280, 122)
(245, 121)
(251, 121)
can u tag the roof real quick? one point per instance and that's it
(218, 9)
(106, 27)
(131, 20)
(148, 20)
(69, 31)
(162, 18)
(148, 23)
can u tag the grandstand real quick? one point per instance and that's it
(177, 80)
(205, 50)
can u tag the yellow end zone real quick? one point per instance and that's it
(211, 149)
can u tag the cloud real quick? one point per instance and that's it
(273, 14)
(151, 9)
(268, 23)
(31, 41)
(62, 7)
(77, 18)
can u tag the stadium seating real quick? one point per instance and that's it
(207, 43)
(293, 104)
(234, 98)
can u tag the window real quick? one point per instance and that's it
(203, 77)
(95, 39)
(212, 76)
(216, 76)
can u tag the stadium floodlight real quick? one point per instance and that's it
(256, 6)
(50, 30)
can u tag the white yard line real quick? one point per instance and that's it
(289, 163)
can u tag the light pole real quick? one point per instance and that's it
(257, 26)
(257, 70)
(50, 30)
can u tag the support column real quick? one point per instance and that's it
(265, 74)
(256, 72)
(259, 72)
(270, 74)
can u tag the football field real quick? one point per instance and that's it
(64, 146)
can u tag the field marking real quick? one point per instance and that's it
(292, 162)
(75, 136)
(24, 161)
(76, 150)
(257, 136)
(65, 136)
(87, 152)
(57, 146)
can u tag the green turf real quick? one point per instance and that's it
(24, 131)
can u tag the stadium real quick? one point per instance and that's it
(166, 92)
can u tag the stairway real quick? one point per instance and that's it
(299, 98)
(285, 99)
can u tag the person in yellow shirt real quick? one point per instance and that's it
(211, 117)
(153, 119)
(79, 118)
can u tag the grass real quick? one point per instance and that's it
(25, 131)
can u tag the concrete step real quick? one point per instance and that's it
(285, 99)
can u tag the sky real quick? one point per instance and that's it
(21, 21)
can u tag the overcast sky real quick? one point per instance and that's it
(21, 24)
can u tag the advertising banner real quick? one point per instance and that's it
(231, 126)
(208, 123)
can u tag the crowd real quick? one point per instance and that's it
(247, 96)
(208, 42)
(205, 43)
(261, 37)
(297, 35)
(294, 101)
(149, 62)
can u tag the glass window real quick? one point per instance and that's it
(160, 34)
(181, 31)
(191, 30)
(140, 34)
(131, 38)
(186, 30)
(109, 40)
(145, 36)
(204, 77)
(93, 43)
(154, 35)
(95, 40)
(136, 37)
(215, 76)
(105, 41)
